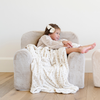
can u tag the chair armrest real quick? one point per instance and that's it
(96, 67)
(22, 70)
(76, 63)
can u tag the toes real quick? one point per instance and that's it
(93, 45)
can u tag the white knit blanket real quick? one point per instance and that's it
(50, 70)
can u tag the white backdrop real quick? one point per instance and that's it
(20, 16)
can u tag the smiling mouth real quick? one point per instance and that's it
(57, 38)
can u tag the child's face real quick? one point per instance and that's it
(56, 35)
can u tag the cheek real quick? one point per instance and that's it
(55, 36)
(52, 36)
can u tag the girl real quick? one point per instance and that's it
(51, 39)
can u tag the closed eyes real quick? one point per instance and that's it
(58, 33)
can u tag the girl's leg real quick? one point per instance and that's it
(81, 49)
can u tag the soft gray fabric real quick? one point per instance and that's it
(23, 59)
(76, 63)
(96, 67)
(22, 71)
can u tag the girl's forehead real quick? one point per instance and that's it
(57, 30)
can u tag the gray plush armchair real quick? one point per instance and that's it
(23, 59)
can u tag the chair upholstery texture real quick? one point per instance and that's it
(96, 67)
(22, 62)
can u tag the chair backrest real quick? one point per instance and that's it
(33, 36)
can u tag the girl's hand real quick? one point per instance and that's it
(67, 44)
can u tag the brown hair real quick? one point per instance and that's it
(47, 31)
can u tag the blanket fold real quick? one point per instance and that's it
(50, 70)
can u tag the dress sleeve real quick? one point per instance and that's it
(63, 40)
(74, 45)
(51, 43)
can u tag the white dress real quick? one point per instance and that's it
(46, 40)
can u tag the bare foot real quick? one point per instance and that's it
(85, 49)
(92, 46)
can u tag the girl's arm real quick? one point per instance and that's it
(66, 43)
(69, 44)
(51, 43)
